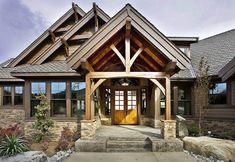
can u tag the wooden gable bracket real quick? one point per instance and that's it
(170, 67)
(118, 54)
(66, 46)
(53, 37)
(96, 85)
(86, 66)
(159, 85)
(74, 6)
(127, 43)
(96, 17)
(138, 52)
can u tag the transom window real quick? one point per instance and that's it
(37, 88)
(58, 98)
(217, 93)
(78, 98)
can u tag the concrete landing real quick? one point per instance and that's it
(132, 157)
(126, 138)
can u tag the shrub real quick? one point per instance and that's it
(65, 138)
(45, 145)
(12, 145)
(42, 124)
(193, 131)
(13, 129)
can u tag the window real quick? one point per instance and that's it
(143, 100)
(131, 100)
(18, 98)
(58, 98)
(107, 104)
(163, 103)
(78, 98)
(119, 100)
(7, 95)
(37, 88)
(184, 101)
(217, 93)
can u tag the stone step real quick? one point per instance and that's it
(128, 146)
(128, 138)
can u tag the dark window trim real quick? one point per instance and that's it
(12, 106)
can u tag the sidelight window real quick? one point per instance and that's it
(78, 98)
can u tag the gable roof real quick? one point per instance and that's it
(54, 68)
(218, 50)
(228, 70)
(41, 38)
(85, 19)
(139, 23)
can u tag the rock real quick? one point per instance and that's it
(211, 147)
(181, 127)
(30, 156)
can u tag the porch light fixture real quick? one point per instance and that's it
(125, 82)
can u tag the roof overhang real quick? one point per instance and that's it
(227, 71)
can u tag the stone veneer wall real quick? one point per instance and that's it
(222, 128)
(12, 116)
(56, 130)
(89, 127)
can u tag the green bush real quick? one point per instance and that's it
(193, 131)
(12, 145)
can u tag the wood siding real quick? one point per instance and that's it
(219, 112)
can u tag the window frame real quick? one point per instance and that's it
(76, 99)
(30, 94)
(12, 105)
(52, 114)
(226, 95)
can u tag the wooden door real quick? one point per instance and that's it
(125, 107)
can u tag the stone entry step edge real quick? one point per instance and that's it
(150, 145)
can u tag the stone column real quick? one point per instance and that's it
(88, 129)
(169, 129)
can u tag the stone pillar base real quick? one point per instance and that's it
(169, 129)
(87, 129)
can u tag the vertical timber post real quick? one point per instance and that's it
(88, 97)
(168, 98)
(127, 44)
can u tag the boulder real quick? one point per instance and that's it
(29, 156)
(181, 127)
(206, 146)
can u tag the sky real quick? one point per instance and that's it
(22, 21)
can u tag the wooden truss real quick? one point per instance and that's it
(127, 61)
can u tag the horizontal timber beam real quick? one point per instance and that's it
(149, 75)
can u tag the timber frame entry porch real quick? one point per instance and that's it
(128, 46)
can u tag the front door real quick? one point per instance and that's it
(125, 107)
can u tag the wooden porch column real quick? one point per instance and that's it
(88, 97)
(168, 98)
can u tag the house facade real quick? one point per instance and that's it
(96, 70)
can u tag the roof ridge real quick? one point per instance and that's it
(216, 35)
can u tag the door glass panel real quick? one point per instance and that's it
(119, 100)
(131, 100)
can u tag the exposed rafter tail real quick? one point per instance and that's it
(96, 16)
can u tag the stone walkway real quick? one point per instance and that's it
(132, 157)
(131, 131)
